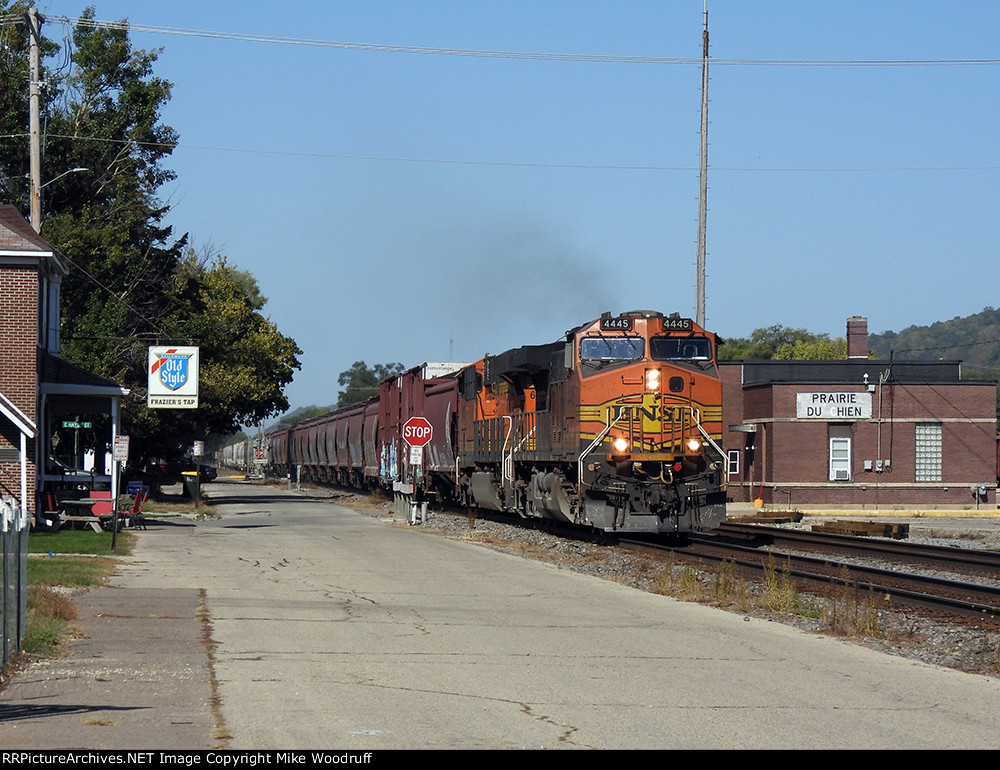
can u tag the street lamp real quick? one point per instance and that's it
(36, 195)
(64, 173)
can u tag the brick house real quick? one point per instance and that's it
(858, 432)
(37, 389)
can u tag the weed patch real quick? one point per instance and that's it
(49, 614)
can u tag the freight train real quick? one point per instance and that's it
(615, 427)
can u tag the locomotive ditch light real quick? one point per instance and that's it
(619, 453)
(652, 379)
(694, 445)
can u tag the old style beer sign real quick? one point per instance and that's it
(173, 378)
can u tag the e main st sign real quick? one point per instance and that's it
(833, 405)
(172, 378)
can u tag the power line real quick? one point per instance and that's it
(513, 164)
(524, 55)
(510, 164)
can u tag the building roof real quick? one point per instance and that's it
(16, 234)
(58, 376)
(850, 371)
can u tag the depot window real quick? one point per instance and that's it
(612, 348)
(840, 458)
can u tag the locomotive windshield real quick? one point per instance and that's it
(611, 348)
(680, 349)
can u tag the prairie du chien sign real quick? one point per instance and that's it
(833, 405)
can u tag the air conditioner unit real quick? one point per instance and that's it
(841, 475)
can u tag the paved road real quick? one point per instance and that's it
(335, 630)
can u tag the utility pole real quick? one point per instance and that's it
(703, 180)
(35, 162)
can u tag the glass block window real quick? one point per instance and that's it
(840, 459)
(928, 451)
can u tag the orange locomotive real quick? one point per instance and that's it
(615, 427)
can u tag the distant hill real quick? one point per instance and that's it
(975, 340)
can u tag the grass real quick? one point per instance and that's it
(69, 571)
(78, 541)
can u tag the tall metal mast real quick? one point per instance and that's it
(35, 144)
(703, 179)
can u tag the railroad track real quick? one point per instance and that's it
(888, 588)
(959, 560)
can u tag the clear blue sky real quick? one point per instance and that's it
(419, 207)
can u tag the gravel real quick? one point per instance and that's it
(906, 633)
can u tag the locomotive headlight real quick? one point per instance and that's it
(694, 445)
(652, 379)
(620, 445)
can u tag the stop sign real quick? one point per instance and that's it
(417, 431)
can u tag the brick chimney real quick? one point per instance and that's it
(857, 337)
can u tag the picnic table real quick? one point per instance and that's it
(74, 510)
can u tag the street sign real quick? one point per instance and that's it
(120, 450)
(417, 431)
(77, 424)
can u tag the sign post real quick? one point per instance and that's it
(417, 433)
(120, 457)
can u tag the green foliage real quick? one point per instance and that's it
(132, 282)
(814, 350)
(362, 383)
(782, 342)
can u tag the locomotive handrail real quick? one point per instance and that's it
(696, 416)
(593, 444)
(508, 460)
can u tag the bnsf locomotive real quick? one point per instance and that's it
(614, 427)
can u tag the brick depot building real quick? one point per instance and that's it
(858, 432)
(39, 391)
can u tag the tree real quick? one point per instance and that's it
(813, 350)
(362, 383)
(246, 363)
(764, 343)
(132, 282)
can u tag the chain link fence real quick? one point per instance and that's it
(14, 596)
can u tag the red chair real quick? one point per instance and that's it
(133, 516)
